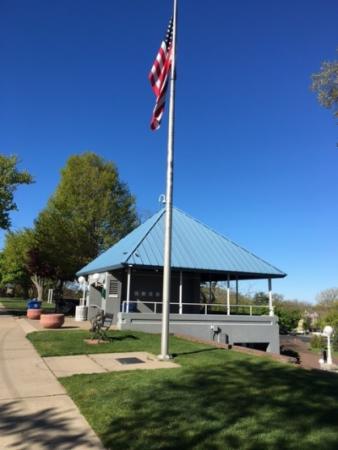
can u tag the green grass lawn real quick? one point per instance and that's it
(217, 400)
(18, 306)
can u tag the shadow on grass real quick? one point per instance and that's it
(45, 429)
(232, 405)
(122, 338)
(203, 350)
(70, 327)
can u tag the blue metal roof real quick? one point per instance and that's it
(194, 247)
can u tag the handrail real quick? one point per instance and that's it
(127, 303)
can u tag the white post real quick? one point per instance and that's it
(270, 297)
(128, 288)
(84, 287)
(329, 353)
(50, 296)
(237, 294)
(168, 203)
(228, 295)
(180, 299)
(328, 330)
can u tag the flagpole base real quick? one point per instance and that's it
(164, 357)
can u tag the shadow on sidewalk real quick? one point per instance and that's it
(47, 428)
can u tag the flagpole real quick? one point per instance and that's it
(168, 202)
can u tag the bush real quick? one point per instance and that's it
(288, 318)
(317, 342)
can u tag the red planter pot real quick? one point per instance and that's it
(33, 314)
(52, 320)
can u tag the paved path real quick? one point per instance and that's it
(65, 366)
(308, 359)
(35, 411)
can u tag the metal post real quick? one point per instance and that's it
(180, 299)
(168, 203)
(228, 295)
(128, 287)
(270, 297)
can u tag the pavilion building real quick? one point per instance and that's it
(126, 281)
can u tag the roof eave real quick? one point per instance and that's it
(100, 270)
(240, 274)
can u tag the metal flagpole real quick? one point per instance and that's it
(168, 203)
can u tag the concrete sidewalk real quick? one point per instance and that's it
(65, 366)
(35, 411)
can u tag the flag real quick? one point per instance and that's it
(158, 76)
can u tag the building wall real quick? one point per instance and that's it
(94, 299)
(114, 293)
(146, 286)
(232, 329)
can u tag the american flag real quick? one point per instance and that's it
(158, 76)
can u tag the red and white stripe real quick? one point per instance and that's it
(158, 77)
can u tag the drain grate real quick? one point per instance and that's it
(130, 360)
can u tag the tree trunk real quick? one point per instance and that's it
(38, 283)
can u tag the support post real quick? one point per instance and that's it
(128, 287)
(237, 292)
(228, 295)
(270, 297)
(329, 352)
(180, 299)
(168, 203)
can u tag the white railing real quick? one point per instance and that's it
(156, 307)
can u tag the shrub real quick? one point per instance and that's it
(317, 342)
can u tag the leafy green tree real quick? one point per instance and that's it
(288, 317)
(90, 210)
(10, 179)
(289, 312)
(23, 263)
(325, 84)
(327, 308)
(13, 261)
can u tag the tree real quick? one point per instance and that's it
(90, 210)
(325, 84)
(288, 317)
(327, 309)
(13, 261)
(10, 179)
(328, 298)
(289, 312)
(23, 263)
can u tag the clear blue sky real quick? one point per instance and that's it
(255, 157)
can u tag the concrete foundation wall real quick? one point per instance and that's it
(95, 299)
(232, 329)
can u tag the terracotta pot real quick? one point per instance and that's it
(52, 320)
(33, 314)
